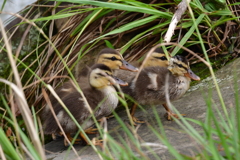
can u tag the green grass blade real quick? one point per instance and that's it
(108, 44)
(128, 26)
(7, 147)
(3, 4)
(123, 7)
(235, 4)
(163, 137)
(89, 17)
(134, 39)
(56, 16)
(188, 35)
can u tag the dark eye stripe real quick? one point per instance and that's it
(108, 74)
(100, 74)
(180, 65)
(113, 58)
(162, 58)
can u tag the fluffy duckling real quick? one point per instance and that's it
(110, 57)
(150, 86)
(101, 96)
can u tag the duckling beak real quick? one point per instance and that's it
(127, 66)
(192, 75)
(120, 82)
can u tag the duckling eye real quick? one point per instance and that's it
(163, 58)
(113, 58)
(180, 65)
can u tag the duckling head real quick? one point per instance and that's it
(101, 77)
(114, 60)
(157, 58)
(179, 66)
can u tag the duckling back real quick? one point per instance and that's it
(80, 111)
(152, 83)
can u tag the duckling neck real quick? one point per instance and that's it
(110, 98)
(182, 84)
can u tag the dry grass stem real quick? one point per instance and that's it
(181, 8)
(2, 154)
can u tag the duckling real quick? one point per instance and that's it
(101, 96)
(110, 57)
(157, 58)
(176, 77)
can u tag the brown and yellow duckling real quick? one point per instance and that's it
(110, 57)
(156, 58)
(150, 86)
(101, 96)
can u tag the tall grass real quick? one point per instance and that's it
(94, 24)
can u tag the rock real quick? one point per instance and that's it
(193, 104)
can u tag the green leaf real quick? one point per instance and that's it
(221, 13)
(81, 25)
(134, 39)
(217, 23)
(235, 4)
(188, 35)
(7, 147)
(3, 4)
(119, 6)
(138, 4)
(56, 16)
(108, 44)
(128, 26)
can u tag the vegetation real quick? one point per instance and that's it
(65, 37)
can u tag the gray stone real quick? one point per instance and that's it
(193, 104)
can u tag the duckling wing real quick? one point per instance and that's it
(150, 85)
(72, 102)
(101, 105)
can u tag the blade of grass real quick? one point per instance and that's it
(7, 147)
(123, 7)
(3, 4)
(128, 26)
(188, 35)
(53, 17)
(210, 67)
(136, 38)
(93, 16)
(162, 137)
(97, 13)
